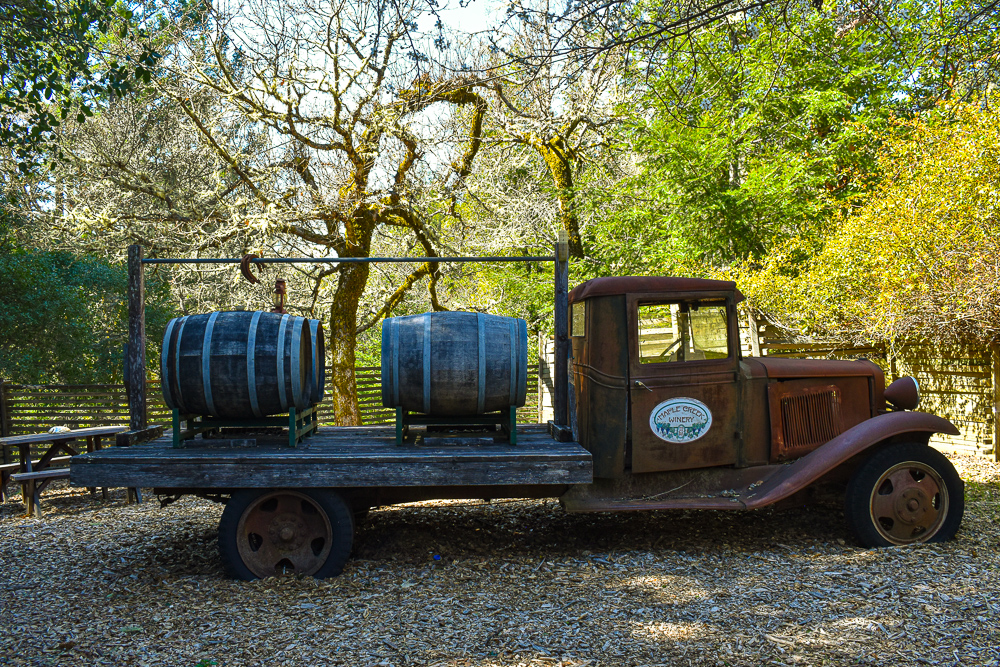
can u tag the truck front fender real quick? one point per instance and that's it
(799, 474)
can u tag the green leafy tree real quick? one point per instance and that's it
(55, 59)
(293, 129)
(920, 259)
(66, 317)
(753, 133)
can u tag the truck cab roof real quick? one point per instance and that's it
(665, 285)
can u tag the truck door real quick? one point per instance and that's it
(684, 390)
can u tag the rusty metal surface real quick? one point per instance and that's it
(284, 531)
(705, 488)
(752, 367)
(279, 296)
(802, 419)
(716, 383)
(904, 393)
(755, 428)
(665, 286)
(600, 380)
(779, 368)
(747, 488)
(813, 466)
(245, 268)
(909, 502)
(718, 446)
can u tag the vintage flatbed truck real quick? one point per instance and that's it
(655, 409)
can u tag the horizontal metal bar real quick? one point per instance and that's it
(348, 260)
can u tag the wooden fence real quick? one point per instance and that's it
(35, 408)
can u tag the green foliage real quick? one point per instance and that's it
(753, 134)
(50, 70)
(66, 317)
(920, 259)
(761, 128)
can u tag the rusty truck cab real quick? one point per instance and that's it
(660, 383)
(675, 418)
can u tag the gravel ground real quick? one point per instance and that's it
(518, 583)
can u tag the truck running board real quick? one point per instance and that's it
(711, 488)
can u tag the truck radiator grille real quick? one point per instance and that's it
(805, 419)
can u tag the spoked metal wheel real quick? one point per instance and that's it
(909, 501)
(284, 531)
(903, 494)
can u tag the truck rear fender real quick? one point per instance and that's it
(811, 467)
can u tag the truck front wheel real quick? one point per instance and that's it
(267, 532)
(905, 493)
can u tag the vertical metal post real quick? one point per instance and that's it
(136, 362)
(560, 401)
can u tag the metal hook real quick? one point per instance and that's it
(245, 268)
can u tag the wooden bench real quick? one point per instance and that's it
(9, 473)
(51, 473)
(9, 470)
(35, 474)
(35, 482)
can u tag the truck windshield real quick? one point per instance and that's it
(683, 331)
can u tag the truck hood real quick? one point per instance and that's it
(783, 368)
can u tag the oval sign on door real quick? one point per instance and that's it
(680, 420)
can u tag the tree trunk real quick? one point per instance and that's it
(342, 340)
(557, 159)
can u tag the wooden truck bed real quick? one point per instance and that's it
(365, 456)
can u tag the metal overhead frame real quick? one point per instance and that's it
(135, 371)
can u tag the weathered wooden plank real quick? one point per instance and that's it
(53, 462)
(359, 456)
(53, 437)
(481, 448)
(29, 412)
(298, 456)
(4, 421)
(234, 474)
(136, 366)
(48, 473)
(61, 387)
(131, 438)
(371, 441)
(560, 410)
(58, 397)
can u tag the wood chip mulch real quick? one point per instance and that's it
(518, 583)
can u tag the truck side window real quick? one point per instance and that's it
(686, 331)
(578, 319)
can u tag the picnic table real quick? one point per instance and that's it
(35, 475)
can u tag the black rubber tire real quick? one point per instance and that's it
(861, 490)
(337, 511)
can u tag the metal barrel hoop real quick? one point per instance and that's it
(251, 364)
(206, 362)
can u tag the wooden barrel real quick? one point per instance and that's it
(453, 363)
(236, 365)
(317, 371)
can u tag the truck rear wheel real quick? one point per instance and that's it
(267, 532)
(905, 493)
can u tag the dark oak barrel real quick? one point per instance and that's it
(454, 363)
(317, 374)
(237, 365)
